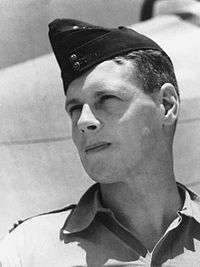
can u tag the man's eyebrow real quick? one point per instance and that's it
(122, 92)
(104, 92)
(72, 102)
(96, 94)
(100, 93)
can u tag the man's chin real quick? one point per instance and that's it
(100, 174)
(102, 179)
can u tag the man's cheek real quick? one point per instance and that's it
(76, 138)
(146, 132)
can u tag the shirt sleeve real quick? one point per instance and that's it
(12, 248)
(30, 243)
(9, 256)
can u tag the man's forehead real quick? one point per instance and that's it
(107, 76)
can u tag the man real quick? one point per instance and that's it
(123, 101)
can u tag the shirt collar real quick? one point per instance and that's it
(90, 204)
(84, 213)
(191, 206)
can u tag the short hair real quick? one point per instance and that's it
(153, 69)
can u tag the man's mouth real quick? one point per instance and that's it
(97, 147)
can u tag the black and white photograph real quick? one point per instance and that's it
(100, 133)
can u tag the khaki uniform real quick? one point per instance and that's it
(87, 234)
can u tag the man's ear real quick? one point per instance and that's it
(169, 103)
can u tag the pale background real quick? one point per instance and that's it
(39, 166)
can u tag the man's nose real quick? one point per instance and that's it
(87, 121)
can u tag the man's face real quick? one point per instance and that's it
(114, 123)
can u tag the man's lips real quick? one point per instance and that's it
(96, 147)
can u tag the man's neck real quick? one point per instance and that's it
(145, 205)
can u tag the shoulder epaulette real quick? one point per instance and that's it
(17, 223)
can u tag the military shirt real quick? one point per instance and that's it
(87, 234)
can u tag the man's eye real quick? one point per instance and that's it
(105, 97)
(75, 108)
